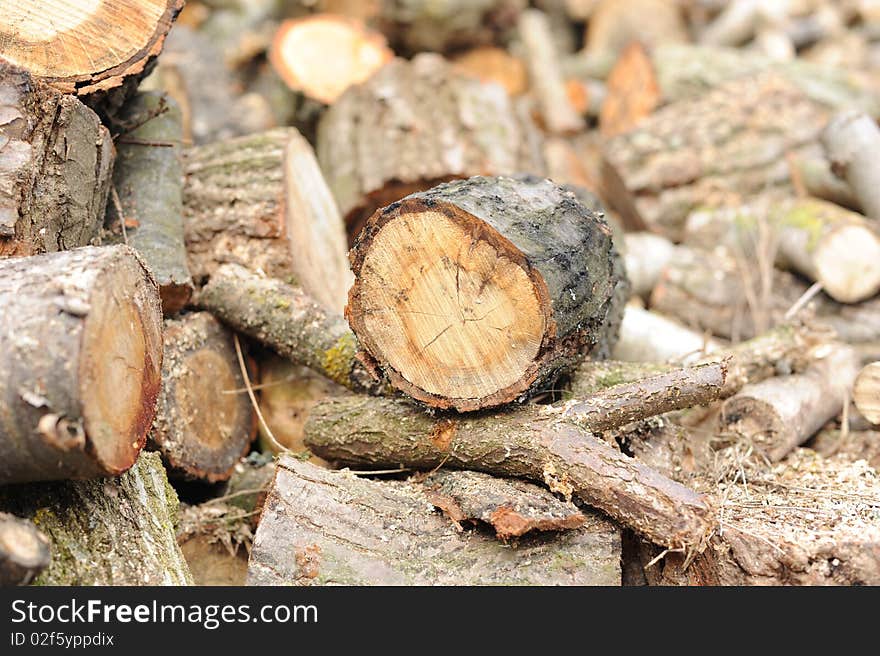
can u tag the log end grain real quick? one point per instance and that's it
(866, 392)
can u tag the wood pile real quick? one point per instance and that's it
(461, 293)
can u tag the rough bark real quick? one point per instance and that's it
(678, 159)
(533, 442)
(24, 551)
(55, 163)
(288, 321)
(852, 140)
(81, 343)
(415, 124)
(477, 292)
(646, 255)
(331, 528)
(866, 392)
(106, 532)
(97, 51)
(148, 179)
(204, 420)
(647, 336)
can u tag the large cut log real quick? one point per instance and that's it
(476, 292)
(415, 124)
(148, 182)
(96, 50)
(330, 528)
(55, 163)
(533, 442)
(261, 201)
(852, 140)
(106, 532)
(81, 345)
(678, 159)
(24, 551)
(204, 421)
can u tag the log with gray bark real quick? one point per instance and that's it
(852, 140)
(81, 345)
(323, 527)
(480, 291)
(24, 551)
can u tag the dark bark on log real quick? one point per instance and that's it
(148, 178)
(117, 531)
(852, 140)
(24, 551)
(322, 527)
(55, 164)
(525, 282)
(81, 342)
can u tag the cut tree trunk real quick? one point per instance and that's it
(852, 140)
(117, 531)
(866, 392)
(261, 201)
(415, 124)
(677, 159)
(98, 51)
(779, 414)
(533, 442)
(204, 421)
(476, 292)
(148, 179)
(81, 342)
(647, 336)
(55, 164)
(332, 528)
(24, 551)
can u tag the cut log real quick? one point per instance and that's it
(633, 93)
(476, 292)
(677, 159)
(98, 51)
(415, 124)
(24, 551)
(646, 255)
(106, 532)
(820, 240)
(811, 175)
(866, 392)
(614, 24)
(779, 414)
(322, 528)
(491, 64)
(148, 179)
(852, 140)
(324, 54)
(289, 322)
(81, 338)
(55, 163)
(647, 336)
(531, 442)
(204, 421)
(261, 201)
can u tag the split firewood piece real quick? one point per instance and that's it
(325, 527)
(647, 336)
(614, 24)
(288, 321)
(55, 164)
(261, 201)
(820, 240)
(646, 256)
(24, 551)
(866, 392)
(510, 506)
(86, 48)
(533, 442)
(852, 140)
(545, 74)
(676, 160)
(322, 55)
(781, 413)
(812, 175)
(81, 338)
(116, 531)
(633, 93)
(491, 64)
(148, 180)
(204, 421)
(415, 124)
(479, 291)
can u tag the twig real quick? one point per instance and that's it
(117, 205)
(247, 382)
(805, 298)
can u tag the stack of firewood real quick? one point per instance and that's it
(410, 292)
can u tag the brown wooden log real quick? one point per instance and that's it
(866, 392)
(55, 164)
(479, 291)
(97, 51)
(533, 442)
(329, 528)
(851, 141)
(81, 338)
(118, 531)
(415, 124)
(204, 421)
(148, 181)
(24, 551)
